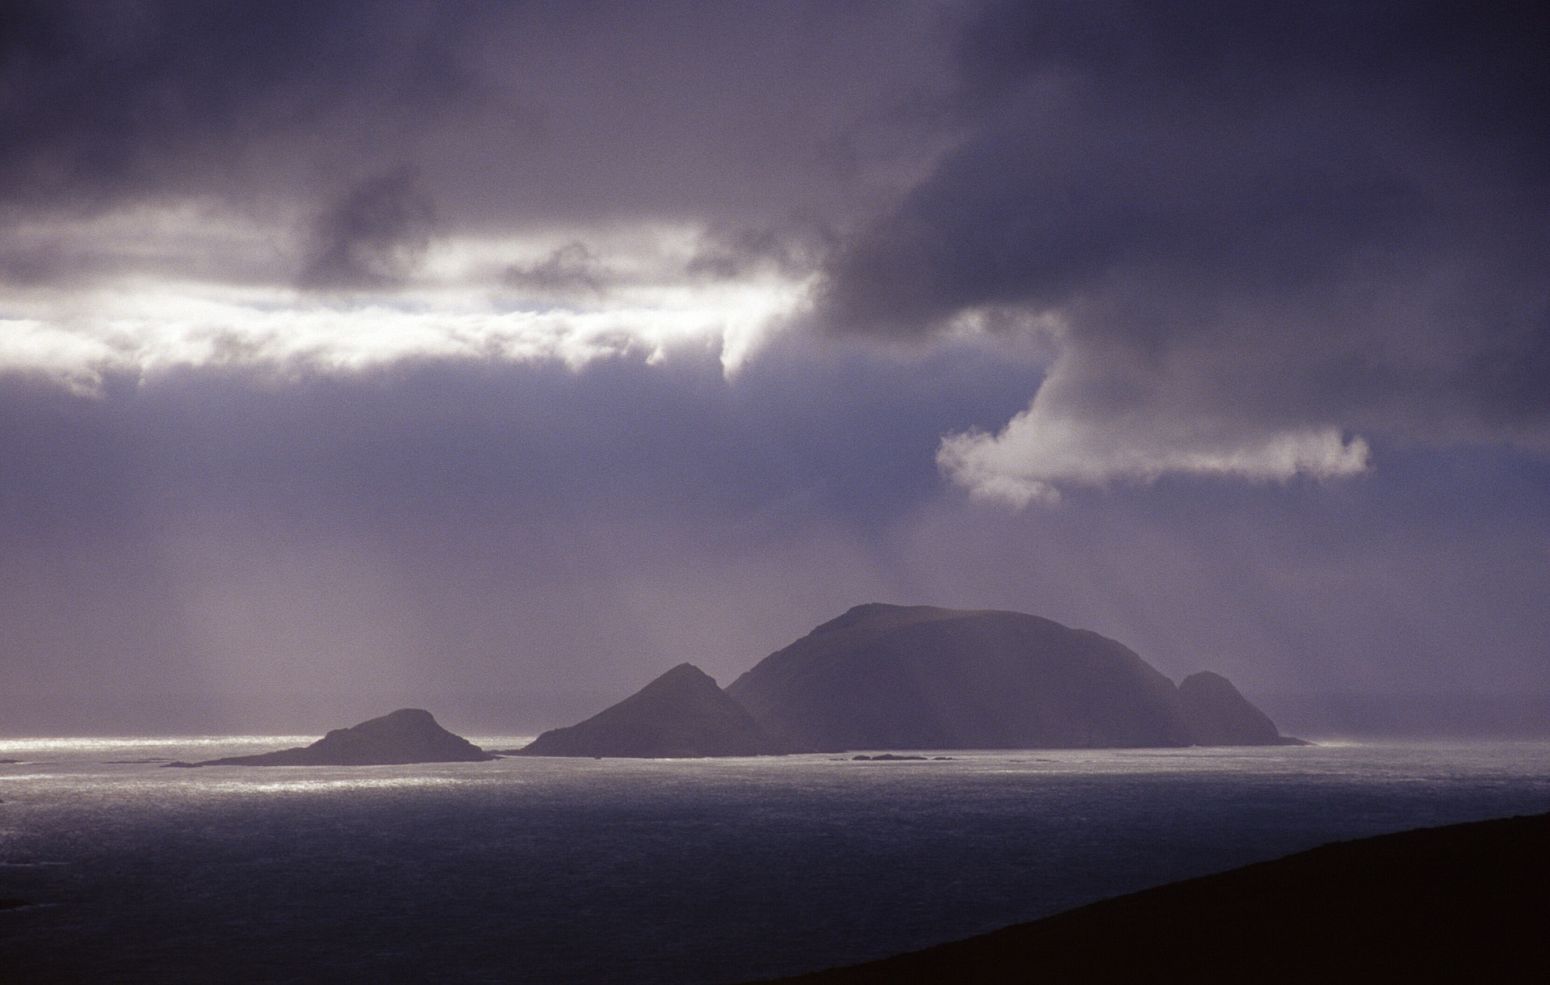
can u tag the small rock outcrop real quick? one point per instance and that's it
(682, 714)
(409, 735)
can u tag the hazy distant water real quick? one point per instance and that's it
(618, 871)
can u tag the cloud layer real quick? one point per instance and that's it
(615, 173)
(1290, 223)
(532, 348)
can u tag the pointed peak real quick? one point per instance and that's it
(682, 713)
(684, 673)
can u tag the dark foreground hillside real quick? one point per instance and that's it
(1464, 903)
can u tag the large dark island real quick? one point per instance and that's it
(922, 677)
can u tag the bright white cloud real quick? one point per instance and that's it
(170, 309)
(161, 333)
(1042, 450)
(73, 359)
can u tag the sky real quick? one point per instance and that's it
(496, 357)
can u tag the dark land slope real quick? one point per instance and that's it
(409, 735)
(1220, 716)
(680, 714)
(1464, 903)
(920, 677)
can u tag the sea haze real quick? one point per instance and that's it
(549, 870)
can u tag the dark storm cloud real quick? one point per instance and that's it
(1280, 220)
(373, 236)
(512, 110)
(1267, 145)
(203, 147)
(104, 101)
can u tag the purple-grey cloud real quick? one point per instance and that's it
(372, 237)
(536, 112)
(248, 150)
(1255, 232)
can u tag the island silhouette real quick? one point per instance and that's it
(408, 735)
(682, 714)
(923, 677)
(877, 677)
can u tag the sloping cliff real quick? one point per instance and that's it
(680, 714)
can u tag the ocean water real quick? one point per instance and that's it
(553, 870)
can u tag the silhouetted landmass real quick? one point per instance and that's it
(921, 677)
(409, 735)
(11, 904)
(680, 714)
(1463, 903)
(1218, 715)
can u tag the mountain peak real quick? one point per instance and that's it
(925, 677)
(884, 614)
(684, 675)
(681, 713)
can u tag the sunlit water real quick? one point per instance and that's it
(548, 870)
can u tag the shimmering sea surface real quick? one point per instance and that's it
(555, 870)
